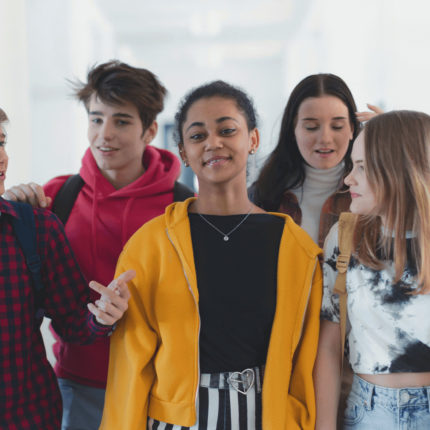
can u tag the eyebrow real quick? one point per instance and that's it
(115, 115)
(336, 118)
(218, 121)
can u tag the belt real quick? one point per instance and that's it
(242, 381)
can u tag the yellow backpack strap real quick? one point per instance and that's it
(347, 223)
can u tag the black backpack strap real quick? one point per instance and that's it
(181, 192)
(66, 197)
(25, 232)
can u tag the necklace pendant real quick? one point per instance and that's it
(226, 238)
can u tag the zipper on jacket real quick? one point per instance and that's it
(198, 337)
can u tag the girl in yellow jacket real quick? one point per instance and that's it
(222, 327)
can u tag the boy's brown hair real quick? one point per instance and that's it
(117, 83)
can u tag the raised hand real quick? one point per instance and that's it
(366, 115)
(112, 304)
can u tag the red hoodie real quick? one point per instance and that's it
(100, 223)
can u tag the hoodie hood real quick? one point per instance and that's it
(162, 168)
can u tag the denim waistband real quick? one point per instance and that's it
(390, 397)
(240, 381)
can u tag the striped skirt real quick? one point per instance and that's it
(226, 401)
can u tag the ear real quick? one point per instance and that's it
(254, 140)
(183, 154)
(150, 133)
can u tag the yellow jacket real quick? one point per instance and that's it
(154, 354)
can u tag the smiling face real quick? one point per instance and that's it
(363, 198)
(3, 158)
(216, 141)
(117, 140)
(323, 131)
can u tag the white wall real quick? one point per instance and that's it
(378, 46)
(14, 86)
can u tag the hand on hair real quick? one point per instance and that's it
(112, 304)
(366, 115)
(28, 193)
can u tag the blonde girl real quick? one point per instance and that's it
(388, 281)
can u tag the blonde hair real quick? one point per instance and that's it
(397, 163)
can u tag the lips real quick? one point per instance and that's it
(324, 151)
(106, 149)
(216, 160)
(354, 195)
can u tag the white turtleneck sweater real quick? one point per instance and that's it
(319, 185)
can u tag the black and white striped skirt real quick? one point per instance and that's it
(226, 401)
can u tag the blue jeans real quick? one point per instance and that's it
(82, 405)
(373, 407)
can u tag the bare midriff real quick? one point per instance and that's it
(398, 380)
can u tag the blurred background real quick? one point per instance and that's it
(379, 47)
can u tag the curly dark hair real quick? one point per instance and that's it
(215, 89)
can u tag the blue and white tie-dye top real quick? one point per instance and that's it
(388, 328)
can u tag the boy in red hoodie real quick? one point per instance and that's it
(126, 183)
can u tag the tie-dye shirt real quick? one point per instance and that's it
(388, 328)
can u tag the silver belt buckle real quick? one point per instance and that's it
(246, 378)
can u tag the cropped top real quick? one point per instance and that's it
(388, 327)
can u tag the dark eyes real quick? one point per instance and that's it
(119, 122)
(222, 132)
(197, 136)
(227, 131)
(2, 143)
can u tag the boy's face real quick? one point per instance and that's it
(117, 140)
(3, 158)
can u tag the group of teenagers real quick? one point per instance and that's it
(222, 312)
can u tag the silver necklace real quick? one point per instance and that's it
(226, 236)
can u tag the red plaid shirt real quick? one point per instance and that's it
(29, 395)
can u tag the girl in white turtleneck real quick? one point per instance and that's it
(303, 176)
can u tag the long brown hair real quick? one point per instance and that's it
(284, 169)
(397, 163)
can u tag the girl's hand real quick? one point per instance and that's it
(112, 304)
(366, 115)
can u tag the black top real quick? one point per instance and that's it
(237, 288)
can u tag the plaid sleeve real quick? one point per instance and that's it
(66, 292)
(330, 301)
